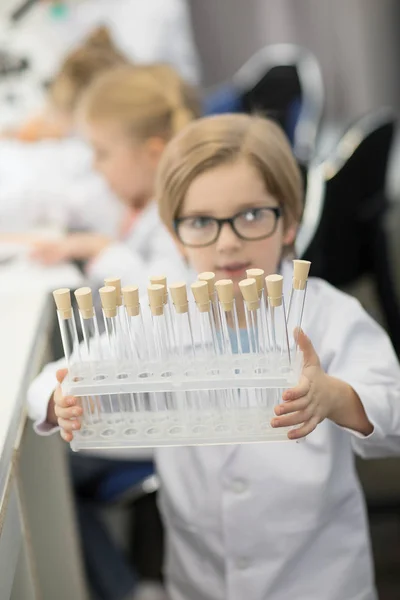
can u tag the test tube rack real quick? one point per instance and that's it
(186, 375)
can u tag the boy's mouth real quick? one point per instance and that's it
(234, 269)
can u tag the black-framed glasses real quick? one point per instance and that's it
(251, 225)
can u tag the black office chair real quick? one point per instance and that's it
(284, 81)
(343, 228)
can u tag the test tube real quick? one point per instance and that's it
(279, 334)
(122, 338)
(301, 269)
(230, 332)
(208, 336)
(249, 290)
(209, 278)
(66, 320)
(90, 328)
(259, 276)
(185, 344)
(168, 312)
(156, 293)
(108, 296)
(91, 338)
(137, 334)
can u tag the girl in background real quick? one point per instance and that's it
(128, 116)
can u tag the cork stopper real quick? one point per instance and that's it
(115, 282)
(274, 289)
(258, 275)
(201, 295)
(130, 297)
(62, 298)
(108, 296)
(209, 277)
(225, 293)
(249, 290)
(84, 299)
(160, 280)
(179, 297)
(156, 293)
(301, 269)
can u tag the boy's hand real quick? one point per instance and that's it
(66, 409)
(319, 396)
(76, 246)
(308, 403)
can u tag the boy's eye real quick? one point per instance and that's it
(199, 222)
(253, 214)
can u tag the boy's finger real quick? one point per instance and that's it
(297, 418)
(61, 374)
(67, 437)
(65, 401)
(306, 429)
(68, 413)
(68, 425)
(291, 407)
(298, 391)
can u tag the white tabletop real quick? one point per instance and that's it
(26, 311)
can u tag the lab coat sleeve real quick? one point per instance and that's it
(356, 350)
(39, 394)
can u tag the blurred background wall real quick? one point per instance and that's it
(356, 42)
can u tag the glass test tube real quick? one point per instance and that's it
(156, 294)
(66, 320)
(209, 345)
(90, 327)
(108, 296)
(209, 278)
(278, 328)
(301, 269)
(137, 336)
(185, 343)
(168, 311)
(259, 276)
(122, 337)
(249, 290)
(209, 348)
(91, 339)
(230, 332)
(69, 334)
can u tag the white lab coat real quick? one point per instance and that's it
(283, 520)
(148, 250)
(52, 185)
(146, 31)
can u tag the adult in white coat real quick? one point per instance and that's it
(145, 31)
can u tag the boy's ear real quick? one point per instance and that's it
(289, 235)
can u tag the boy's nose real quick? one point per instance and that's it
(228, 240)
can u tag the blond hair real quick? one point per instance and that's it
(214, 141)
(147, 101)
(96, 55)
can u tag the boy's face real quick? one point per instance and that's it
(223, 192)
(127, 166)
